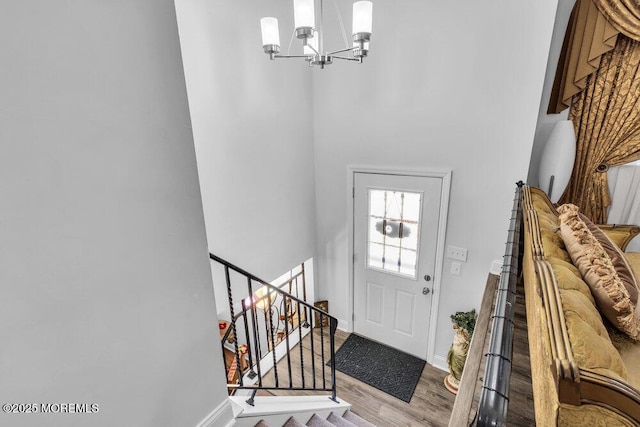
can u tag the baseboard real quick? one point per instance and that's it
(440, 362)
(343, 325)
(220, 416)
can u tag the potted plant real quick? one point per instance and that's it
(463, 323)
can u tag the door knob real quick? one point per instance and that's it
(425, 291)
(427, 278)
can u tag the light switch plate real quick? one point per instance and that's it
(456, 268)
(457, 253)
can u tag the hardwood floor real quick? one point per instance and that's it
(432, 403)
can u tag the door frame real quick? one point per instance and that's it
(445, 175)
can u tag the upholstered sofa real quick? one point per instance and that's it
(585, 371)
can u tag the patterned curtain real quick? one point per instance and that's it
(624, 15)
(589, 36)
(592, 31)
(606, 116)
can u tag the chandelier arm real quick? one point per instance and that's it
(348, 59)
(344, 33)
(290, 56)
(349, 49)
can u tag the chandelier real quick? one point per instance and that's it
(312, 36)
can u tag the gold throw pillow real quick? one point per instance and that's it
(603, 268)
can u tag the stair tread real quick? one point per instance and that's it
(348, 419)
(356, 419)
(316, 421)
(338, 421)
(292, 422)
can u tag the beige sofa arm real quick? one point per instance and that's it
(620, 234)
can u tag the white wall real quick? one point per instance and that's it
(106, 288)
(253, 134)
(445, 87)
(547, 121)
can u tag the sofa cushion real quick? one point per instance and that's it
(570, 281)
(548, 220)
(541, 205)
(590, 342)
(633, 258)
(548, 223)
(553, 246)
(629, 351)
(576, 303)
(555, 261)
(604, 268)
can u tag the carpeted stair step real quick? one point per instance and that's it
(316, 421)
(348, 419)
(356, 419)
(338, 421)
(292, 422)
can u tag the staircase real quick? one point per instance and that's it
(347, 419)
(267, 325)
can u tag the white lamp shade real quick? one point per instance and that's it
(270, 33)
(313, 42)
(362, 17)
(303, 13)
(557, 160)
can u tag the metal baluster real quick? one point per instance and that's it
(324, 362)
(251, 374)
(301, 349)
(224, 359)
(333, 325)
(250, 400)
(304, 296)
(273, 341)
(233, 323)
(313, 359)
(286, 337)
(256, 337)
(266, 330)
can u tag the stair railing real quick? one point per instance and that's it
(494, 396)
(266, 327)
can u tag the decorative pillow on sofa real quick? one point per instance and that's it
(604, 268)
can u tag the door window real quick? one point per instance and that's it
(394, 231)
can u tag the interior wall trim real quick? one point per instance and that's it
(222, 415)
(440, 362)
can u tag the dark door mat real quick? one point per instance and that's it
(387, 369)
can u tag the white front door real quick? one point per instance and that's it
(395, 243)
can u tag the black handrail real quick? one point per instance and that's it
(253, 334)
(494, 397)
